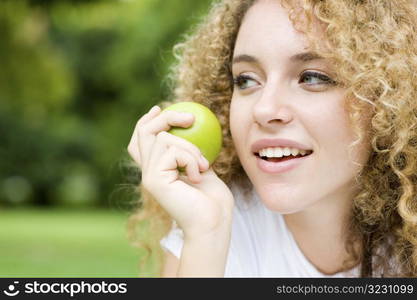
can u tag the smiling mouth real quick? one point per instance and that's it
(283, 158)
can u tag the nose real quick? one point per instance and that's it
(272, 107)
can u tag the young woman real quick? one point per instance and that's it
(317, 175)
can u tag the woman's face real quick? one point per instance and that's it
(285, 97)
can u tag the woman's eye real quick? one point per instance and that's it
(244, 82)
(314, 78)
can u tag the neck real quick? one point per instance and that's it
(321, 231)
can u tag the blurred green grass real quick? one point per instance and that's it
(62, 243)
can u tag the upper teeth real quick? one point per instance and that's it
(280, 152)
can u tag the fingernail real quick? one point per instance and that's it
(204, 160)
(186, 115)
(154, 108)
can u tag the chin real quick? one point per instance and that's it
(284, 202)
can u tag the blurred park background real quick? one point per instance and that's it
(75, 76)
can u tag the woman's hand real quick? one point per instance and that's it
(198, 201)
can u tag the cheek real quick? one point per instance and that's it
(335, 135)
(232, 120)
(236, 121)
(331, 126)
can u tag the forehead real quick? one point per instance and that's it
(267, 28)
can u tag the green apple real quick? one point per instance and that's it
(205, 132)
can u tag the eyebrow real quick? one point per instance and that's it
(303, 57)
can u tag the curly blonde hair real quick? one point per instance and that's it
(373, 47)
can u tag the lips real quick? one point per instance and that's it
(265, 143)
(282, 165)
(281, 159)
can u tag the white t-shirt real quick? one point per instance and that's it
(261, 244)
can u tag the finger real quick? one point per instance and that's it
(166, 119)
(165, 139)
(153, 112)
(173, 159)
(162, 122)
(133, 147)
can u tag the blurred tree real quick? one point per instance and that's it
(35, 83)
(75, 77)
